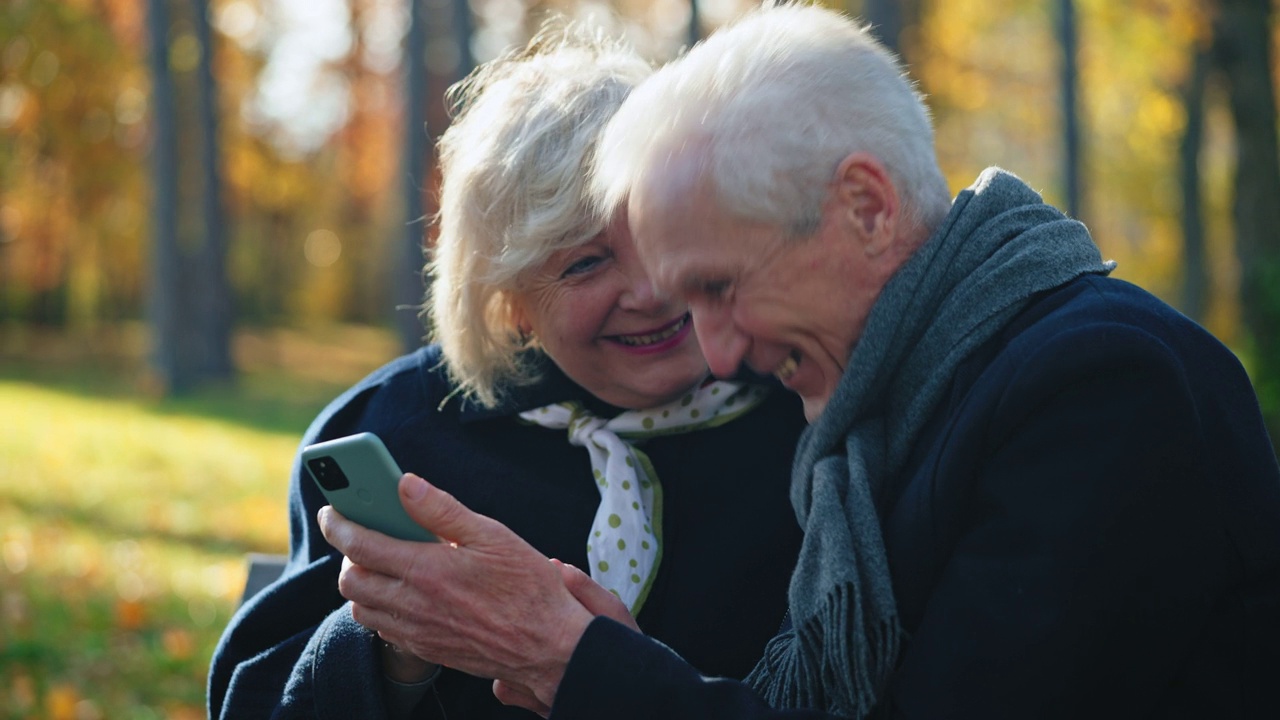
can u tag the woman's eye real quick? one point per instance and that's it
(581, 265)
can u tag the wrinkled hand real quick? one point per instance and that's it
(521, 697)
(483, 602)
(594, 598)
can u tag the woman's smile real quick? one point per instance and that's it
(656, 340)
(595, 314)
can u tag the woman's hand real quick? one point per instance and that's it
(595, 599)
(403, 666)
(483, 602)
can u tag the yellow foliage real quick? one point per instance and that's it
(184, 712)
(60, 703)
(992, 73)
(1160, 115)
(178, 643)
(23, 690)
(130, 614)
(86, 486)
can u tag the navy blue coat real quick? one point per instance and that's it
(729, 541)
(1089, 528)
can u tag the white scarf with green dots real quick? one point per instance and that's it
(625, 544)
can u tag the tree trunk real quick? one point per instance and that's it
(1195, 275)
(695, 24)
(1070, 107)
(407, 263)
(213, 306)
(190, 300)
(162, 302)
(463, 29)
(885, 17)
(1243, 53)
(425, 119)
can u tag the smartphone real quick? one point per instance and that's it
(359, 478)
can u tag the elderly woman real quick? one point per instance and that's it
(564, 399)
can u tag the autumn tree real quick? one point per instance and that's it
(437, 53)
(212, 301)
(1194, 293)
(885, 17)
(72, 122)
(406, 265)
(163, 299)
(1071, 134)
(189, 303)
(1242, 51)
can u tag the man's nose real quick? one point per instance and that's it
(722, 344)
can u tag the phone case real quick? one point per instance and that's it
(359, 478)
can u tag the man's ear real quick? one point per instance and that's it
(866, 195)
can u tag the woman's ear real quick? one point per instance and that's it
(866, 195)
(518, 318)
(515, 315)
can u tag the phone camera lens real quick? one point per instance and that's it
(327, 473)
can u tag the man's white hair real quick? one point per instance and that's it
(775, 102)
(513, 167)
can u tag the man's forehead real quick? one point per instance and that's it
(663, 218)
(673, 215)
(673, 172)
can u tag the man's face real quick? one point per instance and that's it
(787, 306)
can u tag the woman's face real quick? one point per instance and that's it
(595, 314)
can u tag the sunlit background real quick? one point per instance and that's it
(200, 247)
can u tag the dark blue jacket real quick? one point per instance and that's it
(1089, 528)
(729, 541)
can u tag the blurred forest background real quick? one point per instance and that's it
(211, 221)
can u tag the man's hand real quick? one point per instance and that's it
(595, 599)
(483, 601)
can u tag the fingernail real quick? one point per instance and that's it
(322, 517)
(414, 487)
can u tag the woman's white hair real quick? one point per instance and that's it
(776, 101)
(513, 190)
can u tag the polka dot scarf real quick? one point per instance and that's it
(625, 544)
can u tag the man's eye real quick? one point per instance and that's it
(581, 265)
(715, 289)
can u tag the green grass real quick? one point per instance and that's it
(125, 520)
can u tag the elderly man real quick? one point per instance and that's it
(1027, 490)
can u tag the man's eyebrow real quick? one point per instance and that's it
(696, 280)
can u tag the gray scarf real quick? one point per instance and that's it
(999, 246)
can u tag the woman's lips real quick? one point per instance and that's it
(659, 340)
(657, 336)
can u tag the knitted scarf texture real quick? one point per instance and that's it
(998, 247)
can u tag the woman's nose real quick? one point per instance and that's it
(640, 294)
